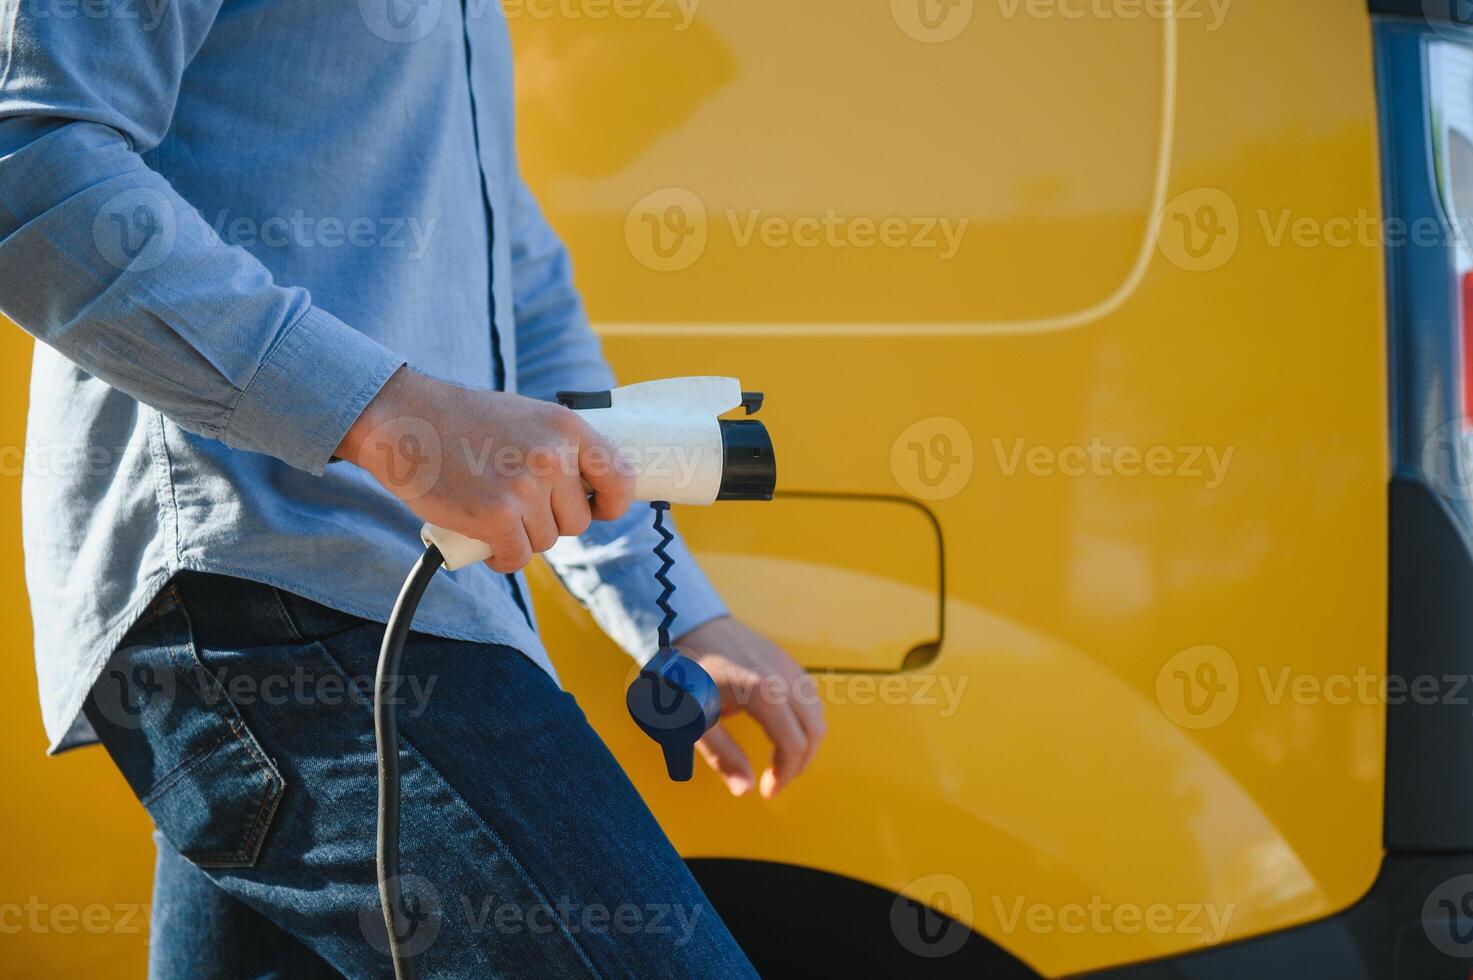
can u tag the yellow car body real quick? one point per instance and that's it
(1000, 528)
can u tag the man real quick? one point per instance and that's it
(232, 470)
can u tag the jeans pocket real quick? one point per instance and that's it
(311, 621)
(184, 749)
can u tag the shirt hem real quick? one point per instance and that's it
(77, 694)
(112, 639)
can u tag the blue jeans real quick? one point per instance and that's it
(241, 717)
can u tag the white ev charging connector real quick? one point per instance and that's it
(669, 435)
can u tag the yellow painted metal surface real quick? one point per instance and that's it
(862, 602)
(76, 869)
(1156, 450)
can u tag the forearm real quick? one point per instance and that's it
(102, 260)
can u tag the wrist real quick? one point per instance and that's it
(713, 625)
(392, 401)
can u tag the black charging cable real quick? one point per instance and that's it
(386, 733)
(673, 701)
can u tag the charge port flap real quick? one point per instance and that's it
(843, 583)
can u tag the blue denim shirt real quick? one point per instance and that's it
(228, 223)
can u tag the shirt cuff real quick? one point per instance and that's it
(313, 385)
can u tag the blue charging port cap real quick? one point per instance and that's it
(674, 701)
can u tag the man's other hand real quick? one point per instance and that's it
(757, 676)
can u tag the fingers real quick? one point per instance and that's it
(541, 528)
(570, 507)
(757, 676)
(723, 754)
(809, 709)
(555, 504)
(510, 549)
(789, 743)
(613, 489)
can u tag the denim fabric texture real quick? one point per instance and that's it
(240, 715)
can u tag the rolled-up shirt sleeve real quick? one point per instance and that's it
(610, 568)
(102, 260)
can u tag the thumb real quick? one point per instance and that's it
(723, 754)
